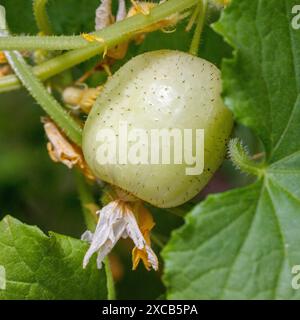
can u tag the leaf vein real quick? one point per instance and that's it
(227, 278)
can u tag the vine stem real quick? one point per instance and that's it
(113, 35)
(89, 208)
(202, 8)
(41, 16)
(120, 30)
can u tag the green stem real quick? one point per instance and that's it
(242, 161)
(43, 42)
(109, 280)
(52, 67)
(41, 16)
(86, 200)
(202, 7)
(113, 35)
(119, 31)
(193, 18)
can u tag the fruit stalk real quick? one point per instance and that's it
(202, 8)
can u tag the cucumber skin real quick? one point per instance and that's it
(155, 90)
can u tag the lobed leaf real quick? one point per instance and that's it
(243, 244)
(42, 267)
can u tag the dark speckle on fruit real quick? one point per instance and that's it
(189, 98)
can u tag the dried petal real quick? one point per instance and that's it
(104, 18)
(121, 14)
(61, 150)
(104, 15)
(87, 236)
(133, 230)
(108, 231)
(117, 220)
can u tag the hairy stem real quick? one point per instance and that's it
(202, 8)
(241, 159)
(52, 67)
(113, 35)
(119, 31)
(41, 16)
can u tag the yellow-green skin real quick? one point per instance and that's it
(161, 89)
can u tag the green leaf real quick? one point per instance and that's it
(16, 9)
(72, 16)
(262, 82)
(243, 244)
(41, 267)
(238, 245)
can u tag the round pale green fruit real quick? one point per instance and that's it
(156, 91)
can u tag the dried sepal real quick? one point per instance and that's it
(60, 149)
(146, 224)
